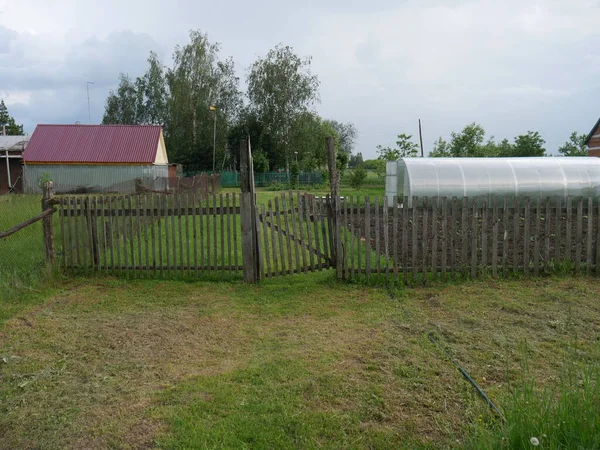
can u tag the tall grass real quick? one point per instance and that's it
(565, 415)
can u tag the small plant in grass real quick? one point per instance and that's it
(358, 177)
(565, 416)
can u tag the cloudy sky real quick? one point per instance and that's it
(510, 65)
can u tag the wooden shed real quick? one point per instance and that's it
(11, 157)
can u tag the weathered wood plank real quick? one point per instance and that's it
(235, 231)
(159, 236)
(352, 238)
(301, 217)
(215, 262)
(152, 234)
(186, 201)
(263, 215)
(395, 242)
(558, 214)
(474, 243)
(527, 236)
(222, 235)
(286, 222)
(598, 239)
(271, 217)
(579, 235)
(386, 246)
(229, 236)
(63, 237)
(168, 243)
(516, 227)
(464, 240)
(505, 227)
(279, 236)
(327, 223)
(495, 226)
(297, 242)
(103, 206)
(146, 243)
(377, 233)
(414, 229)
(318, 219)
(425, 230)
(195, 232)
(359, 235)
(434, 237)
(114, 238)
(140, 242)
(367, 236)
(202, 219)
(484, 233)
(444, 219)
(536, 238)
(547, 221)
(568, 231)
(589, 235)
(453, 235)
(308, 229)
(406, 210)
(179, 231)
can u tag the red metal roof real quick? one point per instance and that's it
(97, 144)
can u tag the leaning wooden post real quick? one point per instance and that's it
(47, 203)
(334, 209)
(250, 253)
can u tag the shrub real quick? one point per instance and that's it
(358, 177)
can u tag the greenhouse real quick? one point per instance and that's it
(494, 178)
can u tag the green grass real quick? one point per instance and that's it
(295, 362)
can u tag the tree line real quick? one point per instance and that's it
(200, 93)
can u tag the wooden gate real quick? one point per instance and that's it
(294, 234)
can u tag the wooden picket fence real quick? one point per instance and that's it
(157, 234)
(439, 237)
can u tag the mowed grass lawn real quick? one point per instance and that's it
(295, 362)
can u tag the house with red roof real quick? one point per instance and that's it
(593, 140)
(95, 158)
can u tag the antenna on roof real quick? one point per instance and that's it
(421, 138)
(87, 85)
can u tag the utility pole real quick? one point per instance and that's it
(421, 138)
(214, 110)
(87, 85)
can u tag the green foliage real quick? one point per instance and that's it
(358, 177)
(11, 127)
(471, 142)
(260, 161)
(294, 174)
(281, 88)
(575, 146)
(346, 133)
(405, 148)
(355, 160)
(530, 144)
(562, 417)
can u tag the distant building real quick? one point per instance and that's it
(95, 158)
(11, 156)
(593, 140)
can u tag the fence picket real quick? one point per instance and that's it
(444, 219)
(377, 233)
(547, 220)
(288, 230)
(346, 248)
(516, 225)
(464, 241)
(536, 238)
(267, 254)
(352, 237)
(424, 266)
(114, 240)
(405, 213)
(165, 214)
(130, 239)
(579, 237)
(63, 238)
(359, 236)
(484, 233)
(188, 255)
(270, 216)
(306, 203)
(229, 236)
(495, 226)
(394, 236)
(139, 235)
(453, 235)
(434, 237)
(279, 235)
(159, 226)
(152, 234)
(103, 216)
(557, 231)
(222, 233)
(202, 218)
(146, 243)
(527, 236)
(386, 236)
(327, 223)
(475, 214)
(126, 252)
(235, 232)
(318, 217)
(195, 215)
(301, 216)
(214, 263)
(568, 232)
(505, 223)
(589, 233)
(76, 236)
(414, 229)
(298, 242)
(598, 239)
(367, 236)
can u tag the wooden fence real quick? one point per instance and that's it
(156, 234)
(440, 237)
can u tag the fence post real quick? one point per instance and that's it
(250, 253)
(47, 203)
(334, 209)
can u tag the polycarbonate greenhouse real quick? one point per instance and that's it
(494, 178)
